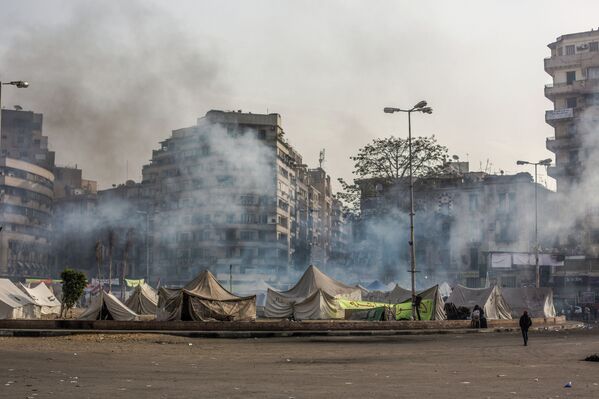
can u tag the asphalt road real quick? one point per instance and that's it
(429, 366)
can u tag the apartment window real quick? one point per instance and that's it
(594, 46)
(231, 234)
(247, 200)
(283, 221)
(560, 51)
(248, 218)
(593, 73)
(230, 252)
(262, 134)
(231, 218)
(473, 258)
(570, 77)
(246, 235)
(473, 198)
(570, 50)
(571, 102)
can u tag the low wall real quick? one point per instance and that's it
(261, 325)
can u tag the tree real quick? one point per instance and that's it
(388, 159)
(73, 283)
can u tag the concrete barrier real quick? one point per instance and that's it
(263, 325)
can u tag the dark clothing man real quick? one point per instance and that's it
(525, 323)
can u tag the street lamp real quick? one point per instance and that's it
(544, 162)
(420, 107)
(21, 84)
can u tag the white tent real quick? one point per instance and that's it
(143, 300)
(490, 299)
(312, 298)
(538, 301)
(205, 299)
(376, 285)
(43, 297)
(15, 304)
(259, 289)
(445, 289)
(106, 306)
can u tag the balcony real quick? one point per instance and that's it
(576, 87)
(558, 115)
(563, 170)
(569, 61)
(554, 144)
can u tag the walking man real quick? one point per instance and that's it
(525, 323)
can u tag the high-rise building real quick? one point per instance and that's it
(230, 193)
(22, 138)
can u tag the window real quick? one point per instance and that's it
(246, 235)
(231, 218)
(594, 46)
(473, 258)
(248, 200)
(248, 218)
(473, 202)
(570, 49)
(571, 102)
(593, 73)
(571, 129)
(231, 234)
(472, 282)
(570, 77)
(230, 252)
(283, 221)
(262, 134)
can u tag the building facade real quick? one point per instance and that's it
(461, 219)
(26, 195)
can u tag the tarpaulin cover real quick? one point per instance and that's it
(143, 300)
(401, 295)
(538, 301)
(490, 299)
(106, 306)
(15, 304)
(43, 297)
(204, 299)
(307, 299)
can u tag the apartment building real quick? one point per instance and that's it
(461, 220)
(231, 194)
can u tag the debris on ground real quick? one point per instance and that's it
(568, 385)
(592, 358)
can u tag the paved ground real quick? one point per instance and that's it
(159, 366)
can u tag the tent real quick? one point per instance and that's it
(490, 299)
(15, 304)
(312, 298)
(43, 297)
(376, 285)
(401, 295)
(445, 289)
(259, 289)
(143, 300)
(538, 301)
(106, 306)
(204, 299)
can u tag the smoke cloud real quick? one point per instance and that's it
(111, 80)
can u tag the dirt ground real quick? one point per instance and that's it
(427, 366)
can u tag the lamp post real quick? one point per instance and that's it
(420, 107)
(17, 83)
(544, 162)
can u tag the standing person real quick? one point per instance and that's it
(525, 323)
(475, 317)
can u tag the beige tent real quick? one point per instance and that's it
(204, 299)
(106, 306)
(15, 304)
(490, 299)
(43, 297)
(143, 300)
(312, 298)
(538, 301)
(401, 295)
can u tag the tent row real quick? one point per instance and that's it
(506, 303)
(22, 302)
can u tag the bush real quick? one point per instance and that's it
(73, 283)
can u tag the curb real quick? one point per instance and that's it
(45, 333)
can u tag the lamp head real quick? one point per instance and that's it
(421, 104)
(521, 162)
(426, 110)
(545, 162)
(21, 84)
(390, 110)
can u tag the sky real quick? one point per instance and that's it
(113, 78)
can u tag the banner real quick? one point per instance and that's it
(134, 283)
(104, 281)
(403, 311)
(42, 280)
